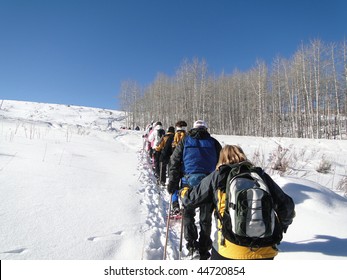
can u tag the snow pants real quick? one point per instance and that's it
(205, 219)
(205, 223)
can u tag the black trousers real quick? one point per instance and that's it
(163, 167)
(157, 163)
(205, 222)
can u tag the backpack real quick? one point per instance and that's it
(160, 133)
(155, 140)
(166, 152)
(249, 218)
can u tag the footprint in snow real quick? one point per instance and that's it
(105, 237)
(16, 251)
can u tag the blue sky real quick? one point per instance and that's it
(79, 51)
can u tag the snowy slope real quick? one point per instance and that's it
(75, 186)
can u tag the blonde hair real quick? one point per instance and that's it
(231, 154)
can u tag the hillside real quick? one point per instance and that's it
(75, 186)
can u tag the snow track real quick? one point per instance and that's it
(156, 219)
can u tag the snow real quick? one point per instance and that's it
(75, 186)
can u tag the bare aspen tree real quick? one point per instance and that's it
(225, 95)
(344, 50)
(302, 130)
(316, 49)
(289, 116)
(258, 78)
(306, 81)
(304, 96)
(336, 87)
(276, 91)
(203, 90)
(244, 103)
(186, 91)
(128, 96)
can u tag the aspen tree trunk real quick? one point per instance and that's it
(278, 115)
(336, 90)
(308, 109)
(316, 45)
(345, 88)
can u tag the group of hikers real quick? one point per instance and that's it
(198, 169)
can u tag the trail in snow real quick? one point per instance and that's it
(157, 217)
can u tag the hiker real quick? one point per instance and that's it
(194, 158)
(212, 190)
(154, 138)
(181, 130)
(146, 143)
(164, 149)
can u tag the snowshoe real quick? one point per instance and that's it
(193, 254)
(175, 215)
(175, 211)
(193, 251)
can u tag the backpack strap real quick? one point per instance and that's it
(236, 168)
(233, 171)
(220, 218)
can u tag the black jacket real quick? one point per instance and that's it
(207, 192)
(166, 151)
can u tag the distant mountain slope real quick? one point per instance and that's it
(62, 115)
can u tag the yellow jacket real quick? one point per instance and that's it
(162, 143)
(179, 135)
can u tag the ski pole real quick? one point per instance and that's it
(160, 171)
(181, 236)
(167, 228)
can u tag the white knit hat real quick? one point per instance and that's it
(200, 124)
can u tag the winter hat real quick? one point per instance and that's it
(200, 124)
(181, 125)
(171, 129)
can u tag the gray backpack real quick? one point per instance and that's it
(249, 218)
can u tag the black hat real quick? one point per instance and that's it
(181, 124)
(171, 129)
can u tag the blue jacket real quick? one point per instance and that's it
(198, 153)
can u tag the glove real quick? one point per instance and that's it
(171, 188)
(184, 191)
(284, 228)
